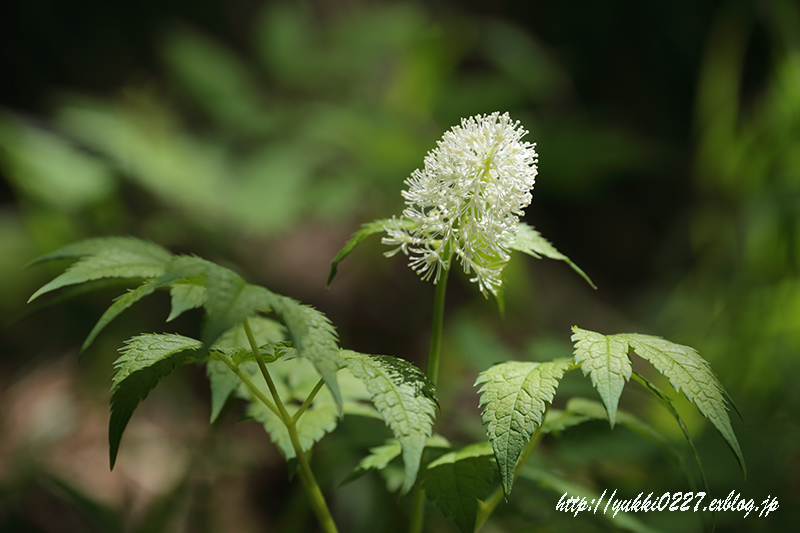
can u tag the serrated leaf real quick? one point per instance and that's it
(604, 356)
(690, 373)
(115, 262)
(380, 456)
(120, 304)
(370, 228)
(144, 361)
(405, 398)
(294, 379)
(531, 242)
(314, 337)
(605, 359)
(513, 395)
(230, 300)
(185, 296)
(457, 480)
(128, 245)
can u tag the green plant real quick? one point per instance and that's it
(283, 358)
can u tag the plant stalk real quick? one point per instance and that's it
(437, 324)
(306, 474)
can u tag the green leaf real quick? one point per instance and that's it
(531, 242)
(120, 304)
(113, 257)
(405, 398)
(230, 300)
(376, 226)
(457, 480)
(606, 359)
(223, 383)
(378, 458)
(185, 296)
(144, 361)
(265, 330)
(313, 335)
(690, 373)
(294, 379)
(128, 245)
(513, 395)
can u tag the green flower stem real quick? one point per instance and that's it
(418, 510)
(488, 507)
(310, 482)
(437, 323)
(436, 326)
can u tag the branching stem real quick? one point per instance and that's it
(309, 481)
(308, 401)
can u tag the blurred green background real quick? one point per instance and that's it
(261, 135)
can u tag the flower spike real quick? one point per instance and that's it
(467, 200)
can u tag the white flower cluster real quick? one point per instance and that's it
(467, 201)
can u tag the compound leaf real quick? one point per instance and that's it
(513, 395)
(690, 373)
(531, 242)
(144, 361)
(606, 359)
(405, 398)
(294, 379)
(457, 480)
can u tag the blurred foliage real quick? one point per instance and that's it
(669, 138)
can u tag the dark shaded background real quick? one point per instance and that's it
(261, 135)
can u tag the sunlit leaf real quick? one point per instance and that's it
(531, 242)
(513, 397)
(405, 398)
(605, 359)
(380, 456)
(691, 374)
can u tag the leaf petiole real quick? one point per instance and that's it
(308, 401)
